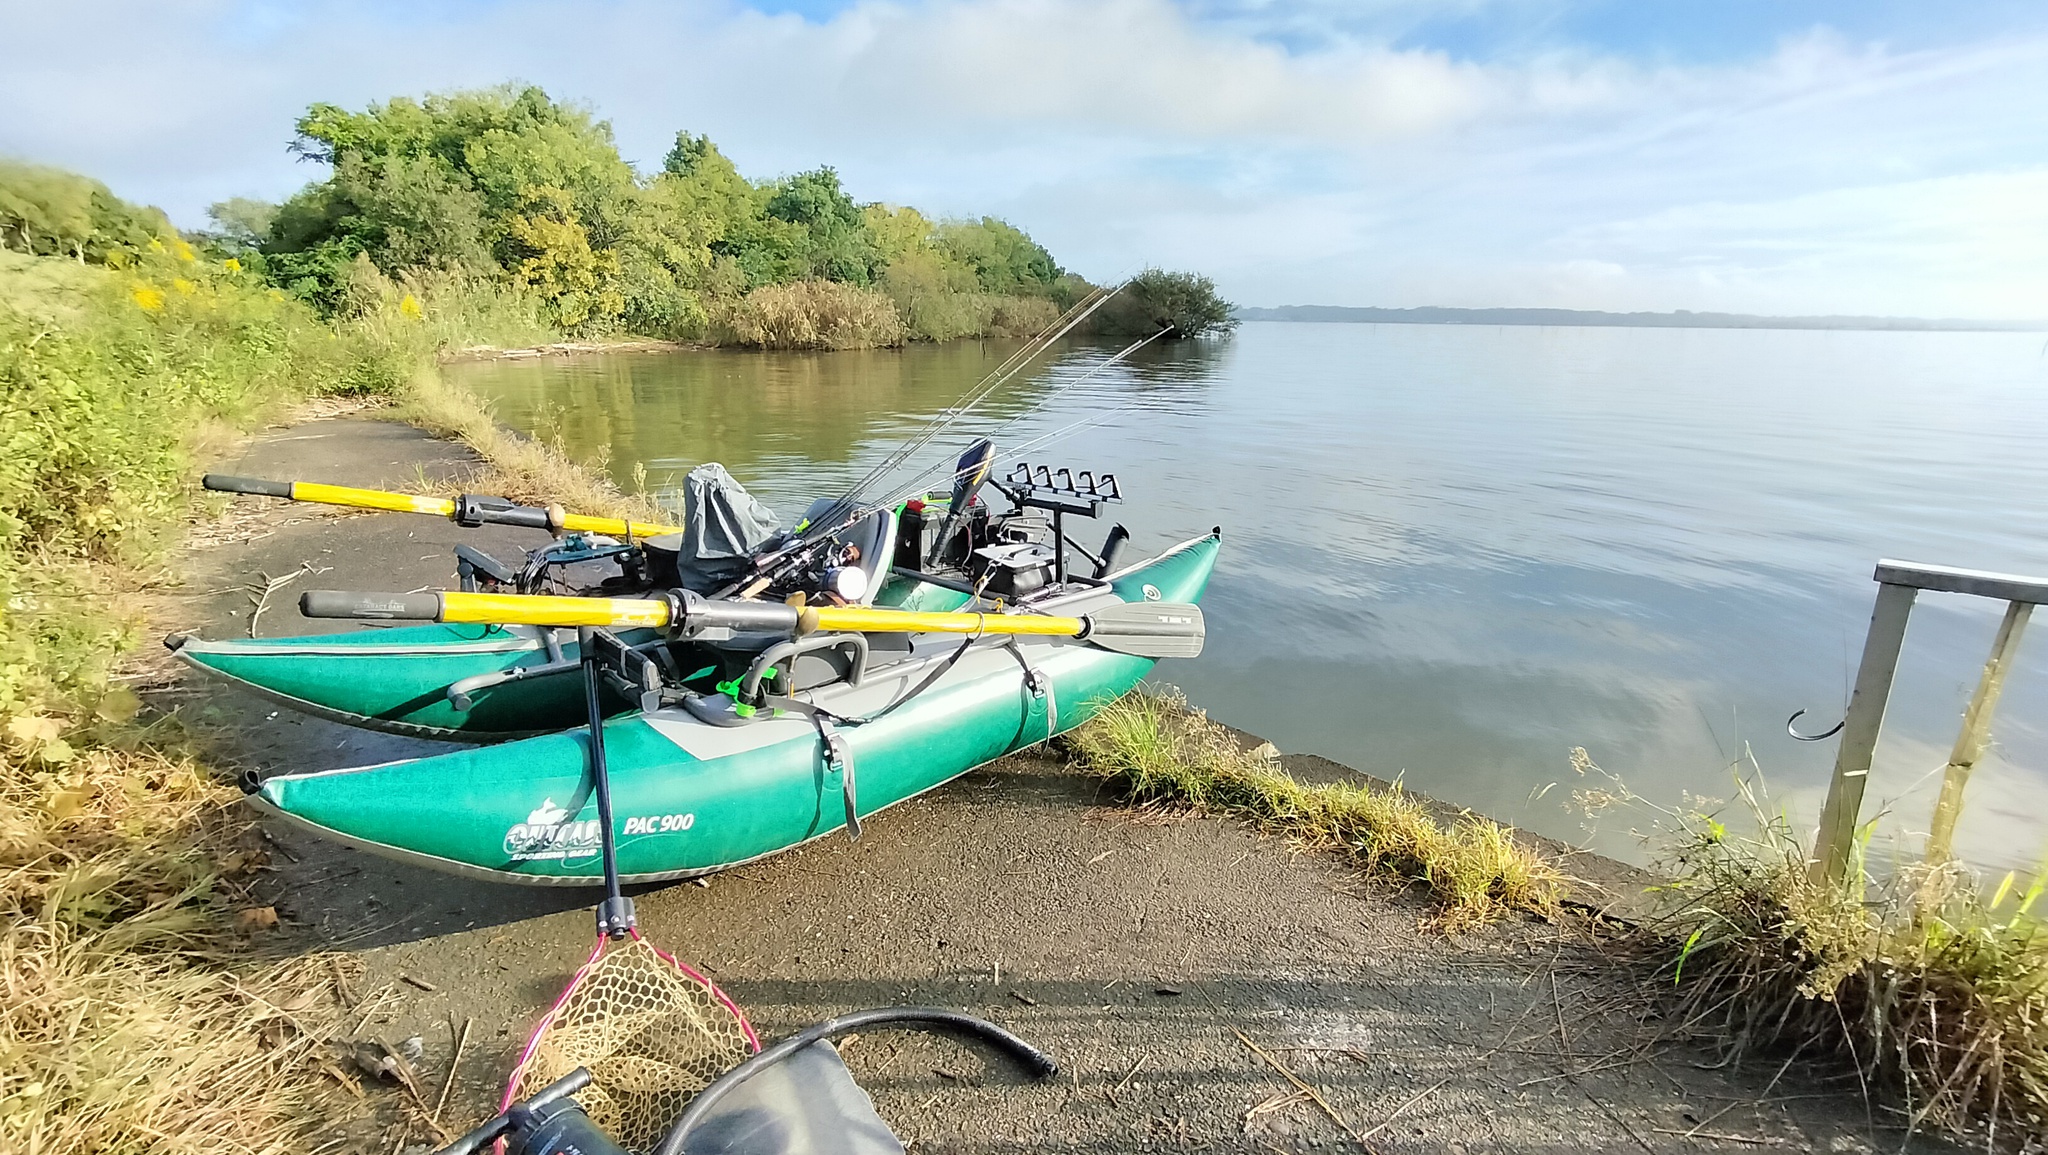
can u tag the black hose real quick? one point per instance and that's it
(1035, 1062)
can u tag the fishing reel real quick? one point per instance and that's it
(834, 576)
(546, 570)
(548, 1122)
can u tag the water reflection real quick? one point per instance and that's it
(1457, 552)
(796, 425)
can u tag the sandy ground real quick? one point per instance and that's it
(1150, 955)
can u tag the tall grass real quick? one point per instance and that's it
(133, 1017)
(1934, 993)
(810, 315)
(1160, 751)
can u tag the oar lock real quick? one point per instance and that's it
(473, 510)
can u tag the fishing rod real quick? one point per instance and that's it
(1142, 629)
(1002, 373)
(918, 482)
(1009, 367)
(468, 509)
(849, 509)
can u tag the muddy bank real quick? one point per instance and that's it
(1148, 955)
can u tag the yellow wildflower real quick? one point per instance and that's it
(156, 245)
(183, 286)
(410, 306)
(150, 299)
(231, 265)
(183, 250)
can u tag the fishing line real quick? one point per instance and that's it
(917, 482)
(1002, 374)
(1030, 348)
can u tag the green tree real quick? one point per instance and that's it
(1003, 258)
(51, 212)
(834, 243)
(1181, 304)
(241, 223)
(501, 180)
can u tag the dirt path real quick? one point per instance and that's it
(1147, 955)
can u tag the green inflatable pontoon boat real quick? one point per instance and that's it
(704, 783)
(454, 682)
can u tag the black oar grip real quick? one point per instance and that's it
(250, 485)
(344, 604)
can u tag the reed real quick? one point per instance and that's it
(811, 315)
(1161, 752)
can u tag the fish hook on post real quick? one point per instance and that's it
(1812, 737)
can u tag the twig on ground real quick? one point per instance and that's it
(1752, 1140)
(454, 1064)
(272, 585)
(1126, 1080)
(1417, 1097)
(1304, 1087)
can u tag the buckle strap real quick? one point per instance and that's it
(838, 752)
(1040, 684)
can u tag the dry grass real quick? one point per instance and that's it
(135, 1018)
(811, 315)
(1934, 994)
(1160, 751)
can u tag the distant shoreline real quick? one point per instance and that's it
(1681, 319)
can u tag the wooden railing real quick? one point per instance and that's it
(1899, 582)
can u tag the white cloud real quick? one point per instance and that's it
(1826, 176)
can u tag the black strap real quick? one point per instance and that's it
(1040, 684)
(838, 753)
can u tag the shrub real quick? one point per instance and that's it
(1937, 997)
(1183, 304)
(812, 315)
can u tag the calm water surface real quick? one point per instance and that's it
(1453, 553)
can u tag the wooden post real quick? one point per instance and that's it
(1838, 819)
(1976, 731)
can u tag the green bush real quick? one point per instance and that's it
(50, 212)
(1181, 304)
(533, 195)
(101, 396)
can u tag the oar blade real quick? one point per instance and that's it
(1148, 629)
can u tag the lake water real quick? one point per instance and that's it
(1451, 554)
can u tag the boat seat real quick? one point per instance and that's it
(875, 535)
(823, 662)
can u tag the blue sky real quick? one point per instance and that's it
(1752, 155)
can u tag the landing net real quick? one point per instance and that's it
(652, 1031)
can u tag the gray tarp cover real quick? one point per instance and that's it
(722, 526)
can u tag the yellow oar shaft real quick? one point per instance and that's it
(614, 527)
(1146, 630)
(371, 499)
(543, 610)
(468, 510)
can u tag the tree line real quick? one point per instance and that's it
(510, 187)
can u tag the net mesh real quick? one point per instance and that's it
(653, 1033)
